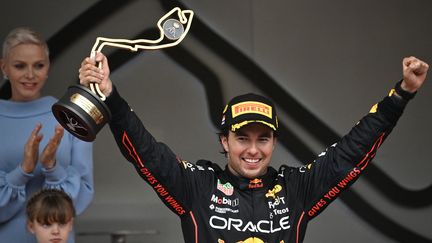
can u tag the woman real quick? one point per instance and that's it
(35, 152)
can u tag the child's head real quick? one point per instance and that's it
(50, 215)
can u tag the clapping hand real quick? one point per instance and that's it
(31, 149)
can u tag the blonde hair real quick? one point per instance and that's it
(23, 35)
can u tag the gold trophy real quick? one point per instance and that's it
(82, 111)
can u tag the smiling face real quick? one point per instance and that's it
(51, 233)
(27, 67)
(249, 150)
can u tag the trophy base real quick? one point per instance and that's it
(81, 112)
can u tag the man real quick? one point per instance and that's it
(249, 201)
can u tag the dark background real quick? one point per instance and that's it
(324, 63)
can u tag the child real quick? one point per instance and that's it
(50, 215)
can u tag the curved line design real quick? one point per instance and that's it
(184, 17)
(352, 199)
(82, 24)
(245, 66)
(173, 31)
(262, 80)
(324, 134)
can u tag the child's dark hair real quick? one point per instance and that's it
(50, 206)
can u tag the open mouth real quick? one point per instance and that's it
(29, 85)
(251, 161)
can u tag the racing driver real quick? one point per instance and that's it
(248, 200)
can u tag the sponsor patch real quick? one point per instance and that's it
(226, 188)
(272, 193)
(251, 107)
(255, 183)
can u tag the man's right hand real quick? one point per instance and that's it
(91, 73)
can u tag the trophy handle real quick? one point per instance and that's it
(94, 87)
(82, 111)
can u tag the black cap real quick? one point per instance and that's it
(248, 108)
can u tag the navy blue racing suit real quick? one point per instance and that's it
(216, 206)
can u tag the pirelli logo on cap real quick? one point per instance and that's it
(248, 107)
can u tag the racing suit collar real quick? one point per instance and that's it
(261, 182)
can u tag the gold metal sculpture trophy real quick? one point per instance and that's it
(82, 111)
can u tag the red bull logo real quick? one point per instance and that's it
(251, 240)
(255, 183)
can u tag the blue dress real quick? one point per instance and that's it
(72, 173)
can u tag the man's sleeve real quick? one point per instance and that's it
(171, 178)
(320, 182)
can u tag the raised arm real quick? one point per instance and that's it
(90, 73)
(342, 163)
(414, 73)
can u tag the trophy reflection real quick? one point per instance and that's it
(82, 110)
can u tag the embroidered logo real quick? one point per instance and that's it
(226, 188)
(272, 192)
(255, 183)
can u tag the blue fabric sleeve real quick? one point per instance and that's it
(77, 178)
(12, 192)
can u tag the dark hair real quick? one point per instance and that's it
(49, 206)
(223, 133)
